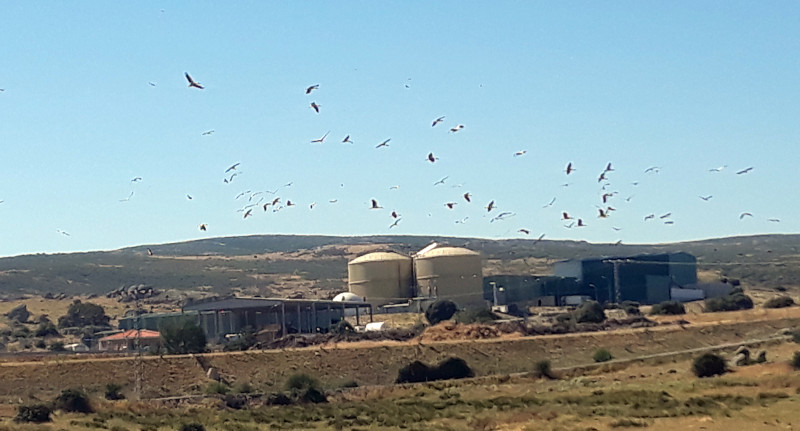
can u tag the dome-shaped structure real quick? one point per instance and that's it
(381, 277)
(452, 273)
(348, 297)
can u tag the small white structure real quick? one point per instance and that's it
(374, 326)
(348, 297)
(76, 347)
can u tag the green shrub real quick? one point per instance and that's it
(602, 355)
(183, 336)
(82, 314)
(779, 302)
(45, 329)
(482, 315)
(112, 392)
(672, 308)
(242, 388)
(590, 312)
(451, 368)
(543, 369)
(73, 401)
(313, 395)
(413, 373)
(214, 388)
(36, 413)
(40, 344)
(732, 302)
(193, 427)
(301, 382)
(235, 401)
(440, 310)
(709, 364)
(796, 361)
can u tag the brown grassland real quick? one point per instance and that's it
(649, 384)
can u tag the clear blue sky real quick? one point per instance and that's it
(94, 96)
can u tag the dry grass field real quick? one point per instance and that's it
(649, 384)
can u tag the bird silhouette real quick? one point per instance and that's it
(395, 223)
(603, 214)
(520, 153)
(580, 223)
(649, 216)
(468, 197)
(128, 198)
(744, 171)
(457, 128)
(437, 121)
(322, 139)
(136, 180)
(565, 216)
(312, 88)
(706, 198)
(450, 205)
(248, 213)
(207, 132)
(569, 168)
(552, 201)
(203, 227)
(347, 140)
(653, 169)
(608, 167)
(432, 158)
(149, 252)
(384, 143)
(395, 215)
(501, 216)
(315, 107)
(490, 207)
(665, 215)
(192, 82)
(375, 205)
(525, 231)
(232, 167)
(441, 181)
(743, 215)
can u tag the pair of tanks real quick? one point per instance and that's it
(452, 273)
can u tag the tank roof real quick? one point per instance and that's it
(379, 256)
(347, 297)
(448, 251)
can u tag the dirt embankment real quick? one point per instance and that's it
(370, 362)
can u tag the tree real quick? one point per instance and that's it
(182, 336)
(440, 310)
(708, 365)
(591, 312)
(81, 314)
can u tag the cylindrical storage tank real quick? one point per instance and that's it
(452, 273)
(381, 278)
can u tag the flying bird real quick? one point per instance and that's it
(312, 205)
(203, 227)
(450, 204)
(315, 107)
(520, 153)
(312, 88)
(462, 221)
(322, 139)
(233, 167)
(192, 82)
(395, 215)
(603, 214)
(744, 171)
(188, 196)
(457, 128)
(347, 140)
(128, 198)
(580, 223)
(248, 213)
(375, 205)
(569, 168)
(552, 201)
(565, 216)
(743, 215)
(149, 252)
(442, 180)
(136, 180)
(541, 237)
(608, 168)
(490, 207)
(468, 197)
(649, 216)
(602, 177)
(394, 188)
(431, 158)
(653, 169)
(501, 216)
(384, 143)
(437, 121)
(719, 169)
(525, 231)
(774, 220)
(152, 84)
(665, 215)
(65, 233)
(706, 198)
(395, 223)
(207, 132)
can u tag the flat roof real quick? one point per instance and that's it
(239, 303)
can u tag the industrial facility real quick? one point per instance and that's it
(385, 279)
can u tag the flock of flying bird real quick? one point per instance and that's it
(268, 200)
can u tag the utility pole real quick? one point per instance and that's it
(617, 293)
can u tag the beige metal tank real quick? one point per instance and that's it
(381, 278)
(452, 273)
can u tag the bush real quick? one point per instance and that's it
(183, 336)
(235, 401)
(590, 312)
(779, 302)
(46, 328)
(451, 368)
(301, 382)
(672, 308)
(734, 301)
(413, 373)
(36, 413)
(709, 364)
(483, 315)
(602, 355)
(343, 327)
(543, 369)
(796, 361)
(349, 384)
(242, 388)
(193, 427)
(81, 314)
(73, 401)
(313, 395)
(112, 392)
(440, 310)
(57, 346)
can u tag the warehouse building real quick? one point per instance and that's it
(647, 279)
(532, 290)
